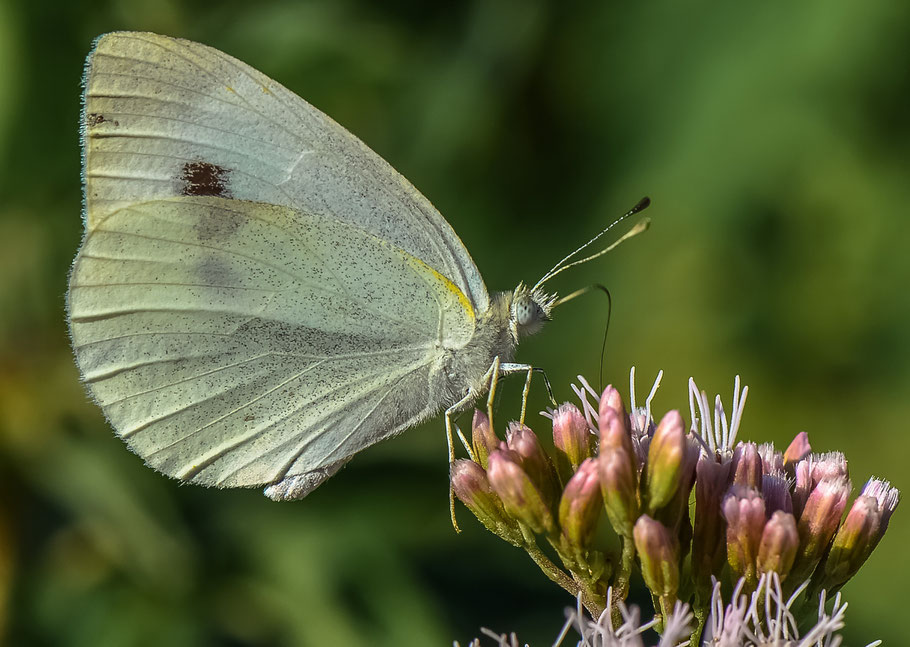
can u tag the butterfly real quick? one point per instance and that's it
(258, 296)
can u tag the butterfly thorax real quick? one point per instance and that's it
(510, 317)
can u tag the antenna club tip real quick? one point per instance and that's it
(643, 204)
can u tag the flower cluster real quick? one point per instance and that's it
(615, 499)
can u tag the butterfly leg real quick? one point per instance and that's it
(524, 395)
(510, 368)
(450, 413)
(451, 463)
(492, 378)
(546, 382)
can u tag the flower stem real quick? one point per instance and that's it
(557, 575)
(627, 560)
(549, 569)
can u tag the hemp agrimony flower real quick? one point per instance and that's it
(691, 509)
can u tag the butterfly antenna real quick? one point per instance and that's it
(585, 290)
(603, 347)
(564, 264)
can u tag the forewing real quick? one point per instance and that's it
(165, 117)
(230, 343)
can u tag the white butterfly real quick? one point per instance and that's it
(258, 295)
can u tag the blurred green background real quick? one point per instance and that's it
(774, 140)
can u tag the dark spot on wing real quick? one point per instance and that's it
(204, 178)
(217, 224)
(214, 271)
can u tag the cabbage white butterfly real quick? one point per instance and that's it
(259, 296)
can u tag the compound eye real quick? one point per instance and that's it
(527, 312)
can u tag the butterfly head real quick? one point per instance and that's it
(529, 311)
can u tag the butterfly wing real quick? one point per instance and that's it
(233, 343)
(165, 117)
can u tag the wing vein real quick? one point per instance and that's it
(206, 72)
(196, 124)
(188, 379)
(148, 423)
(319, 420)
(212, 76)
(314, 286)
(175, 284)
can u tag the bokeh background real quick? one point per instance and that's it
(774, 140)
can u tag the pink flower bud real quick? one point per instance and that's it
(747, 466)
(518, 493)
(860, 533)
(810, 471)
(471, 486)
(581, 504)
(778, 546)
(483, 438)
(615, 436)
(744, 511)
(666, 457)
(534, 461)
(887, 497)
(571, 435)
(611, 400)
(850, 547)
(659, 553)
(619, 485)
(798, 449)
(802, 486)
(818, 523)
(828, 466)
